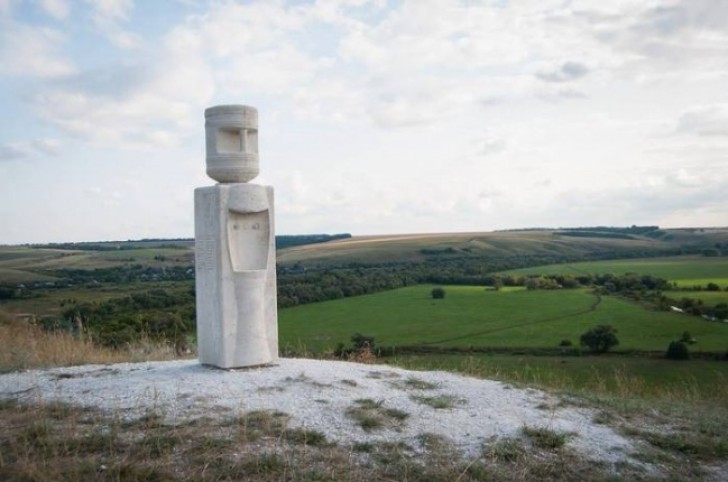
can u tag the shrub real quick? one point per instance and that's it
(437, 293)
(565, 343)
(361, 342)
(677, 350)
(600, 338)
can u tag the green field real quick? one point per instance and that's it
(473, 316)
(630, 377)
(707, 297)
(684, 270)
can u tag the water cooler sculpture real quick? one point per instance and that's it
(235, 257)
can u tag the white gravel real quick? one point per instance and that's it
(316, 394)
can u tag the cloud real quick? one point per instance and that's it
(151, 102)
(492, 145)
(709, 120)
(57, 9)
(564, 73)
(656, 196)
(108, 15)
(50, 147)
(109, 11)
(12, 152)
(28, 51)
(35, 147)
(683, 37)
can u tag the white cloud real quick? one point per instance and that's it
(384, 116)
(152, 102)
(33, 52)
(108, 15)
(108, 11)
(33, 148)
(57, 9)
(11, 152)
(709, 120)
(564, 73)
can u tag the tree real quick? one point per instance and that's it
(600, 338)
(438, 293)
(677, 350)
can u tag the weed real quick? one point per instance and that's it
(368, 403)
(507, 449)
(545, 438)
(432, 441)
(371, 415)
(396, 413)
(419, 384)
(438, 402)
(300, 436)
(365, 447)
(367, 419)
(379, 374)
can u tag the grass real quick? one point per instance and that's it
(710, 298)
(438, 402)
(630, 377)
(409, 248)
(24, 346)
(372, 415)
(472, 316)
(27, 264)
(685, 270)
(416, 384)
(53, 302)
(545, 438)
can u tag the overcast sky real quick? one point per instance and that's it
(375, 116)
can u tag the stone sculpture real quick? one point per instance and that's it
(237, 316)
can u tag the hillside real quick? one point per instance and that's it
(44, 263)
(550, 243)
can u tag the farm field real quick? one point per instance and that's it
(707, 297)
(22, 264)
(54, 302)
(686, 271)
(473, 316)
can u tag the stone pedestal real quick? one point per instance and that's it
(235, 255)
(237, 316)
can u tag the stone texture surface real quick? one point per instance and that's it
(231, 141)
(237, 317)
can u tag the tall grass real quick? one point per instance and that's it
(24, 346)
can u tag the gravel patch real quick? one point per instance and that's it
(317, 395)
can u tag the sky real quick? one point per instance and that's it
(376, 117)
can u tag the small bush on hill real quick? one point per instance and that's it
(360, 341)
(600, 338)
(677, 350)
(565, 343)
(437, 293)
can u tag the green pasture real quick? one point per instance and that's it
(473, 316)
(631, 377)
(684, 270)
(709, 298)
